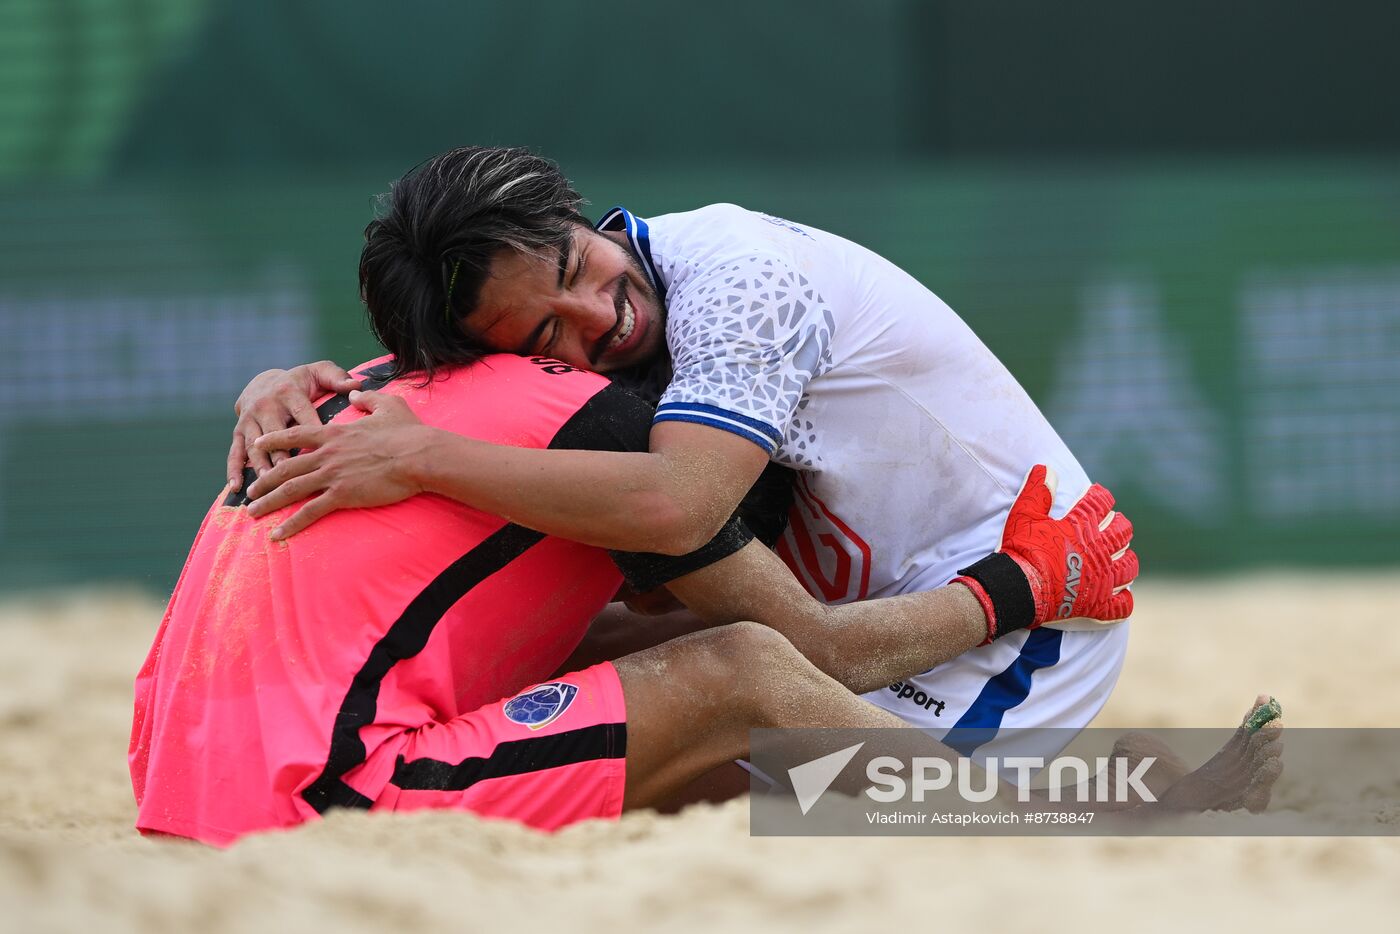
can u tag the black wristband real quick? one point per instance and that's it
(1007, 588)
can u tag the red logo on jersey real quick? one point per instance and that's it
(833, 563)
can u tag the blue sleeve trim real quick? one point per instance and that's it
(759, 432)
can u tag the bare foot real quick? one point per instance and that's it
(1242, 774)
(1130, 749)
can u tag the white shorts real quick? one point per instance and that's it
(1045, 677)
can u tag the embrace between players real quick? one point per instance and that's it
(815, 456)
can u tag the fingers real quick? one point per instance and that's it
(301, 436)
(237, 457)
(303, 413)
(1094, 506)
(367, 401)
(256, 458)
(372, 402)
(264, 486)
(264, 417)
(322, 505)
(1125, 570)
(332, 377)
(1037, 492)
(1117, 530)
(233, 467)
(287, 492)
(271, 401)
(1120, 606)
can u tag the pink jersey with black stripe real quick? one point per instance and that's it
(285, 675)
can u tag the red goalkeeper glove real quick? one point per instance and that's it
(1053, 569)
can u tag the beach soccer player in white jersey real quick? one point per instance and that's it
(909, 439)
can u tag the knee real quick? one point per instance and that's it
(748, 648)
(754, 667)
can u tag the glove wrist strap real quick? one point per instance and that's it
(1005, 593)
(985, 601)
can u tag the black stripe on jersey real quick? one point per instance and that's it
(514, 757)
(405, 639)
(598, 424)
(612, 419)
(375, 377)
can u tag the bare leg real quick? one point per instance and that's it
(1133, 747)
(692, 701)
(1129, 751)
(725, 783)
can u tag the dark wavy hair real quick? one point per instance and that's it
(429, 249)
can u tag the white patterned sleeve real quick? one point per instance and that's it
(746, 338)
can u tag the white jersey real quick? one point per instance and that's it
(910, 439)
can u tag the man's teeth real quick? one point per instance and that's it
(629, 321)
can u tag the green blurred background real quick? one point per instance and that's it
(1178, 224)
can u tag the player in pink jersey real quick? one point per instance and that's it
(283, 679)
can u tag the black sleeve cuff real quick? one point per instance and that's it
(617, 420)
(648, 571)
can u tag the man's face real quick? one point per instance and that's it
(590, 307)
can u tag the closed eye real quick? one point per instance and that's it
(578, 270)
(538, 341)
(551, 336)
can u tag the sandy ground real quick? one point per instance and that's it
(69, 860)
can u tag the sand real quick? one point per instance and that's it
(70, 862)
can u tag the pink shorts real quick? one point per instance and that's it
(551, 755)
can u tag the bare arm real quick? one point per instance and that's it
(1025, 583)
(864, 645)
(670, 500)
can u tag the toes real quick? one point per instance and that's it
(1259, 704)
(1266, 709)
(1261, 787)
(1270, 735)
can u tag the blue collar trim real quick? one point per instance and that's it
(639, 236)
